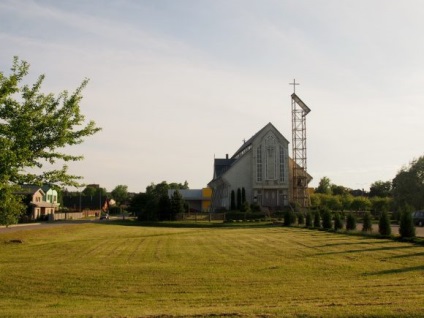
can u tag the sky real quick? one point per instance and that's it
(175, 84)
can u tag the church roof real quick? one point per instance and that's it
(221, 166)
(248, 143)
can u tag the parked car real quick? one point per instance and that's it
(418, 218)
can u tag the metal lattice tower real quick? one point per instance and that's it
(300, 175)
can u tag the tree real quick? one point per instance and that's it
(408, 185)
(338, 223)
(360, 203)
(11, 206)
(233, 201)
(406, 226)
(34, 129)
(367, 222)
(350, 222)
(326, 219)
(239, 201)
(120, 194)
(177, 204)
(384, 227)
(308, 220)
(324, 186)
(317, 219)
(381, 189)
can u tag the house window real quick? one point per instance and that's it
(282, 164)
(259, 163)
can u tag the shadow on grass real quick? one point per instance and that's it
(182, 224)
(365, 250)
(397, 271)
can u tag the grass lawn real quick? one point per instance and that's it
(115, 270)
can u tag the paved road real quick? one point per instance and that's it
(35, 226)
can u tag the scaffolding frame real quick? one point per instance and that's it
(300, 175)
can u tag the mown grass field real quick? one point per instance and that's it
(112, 270)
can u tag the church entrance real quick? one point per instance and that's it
(270, 198)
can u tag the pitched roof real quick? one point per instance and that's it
(249, 142)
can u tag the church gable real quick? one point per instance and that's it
(260, 166)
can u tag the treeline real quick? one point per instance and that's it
(156, 205)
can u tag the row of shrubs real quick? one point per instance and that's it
(336, 221)
(327, 220)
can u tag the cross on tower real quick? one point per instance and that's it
(294, 85)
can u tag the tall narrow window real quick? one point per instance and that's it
(270, 160)
(282, 164)
(259, 163)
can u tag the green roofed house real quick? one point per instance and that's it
(261, 166)
(40, 201)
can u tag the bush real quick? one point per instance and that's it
(367, 222)
(289, 218)
(308, 221)
(326, 219)
(317, 220)
(351, 222)
(300, 218)
(384, 227)
(406, 226)
(338, 223)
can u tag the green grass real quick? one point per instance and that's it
(116, 270)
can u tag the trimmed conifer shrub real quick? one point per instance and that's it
(406, 226)
(367, 222)
(317, 220)
(300, 218)
(309, 217)
(384, 227)
(338, 223)
(326, 219)
(289, 218)
(350, 222)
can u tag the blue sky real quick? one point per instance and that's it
(175, 83)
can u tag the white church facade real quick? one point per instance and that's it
(261, 166)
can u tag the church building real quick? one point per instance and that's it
(261, 166)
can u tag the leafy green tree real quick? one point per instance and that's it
(408, 185)
(339, 190)
(360, 203)
(11, 206)
(350, 222)
(243, 195)
(35, 128)
(324, 186)
(177, 204)
(406, 226)
(379, 205)
(315, 200)
(384, 227)
(381, 189)
(346, 201)
(367, 222)
(120, 194)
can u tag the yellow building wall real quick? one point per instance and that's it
(206, 199)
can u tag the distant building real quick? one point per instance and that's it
(198, 200)
(261, 166)
(40, 201)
